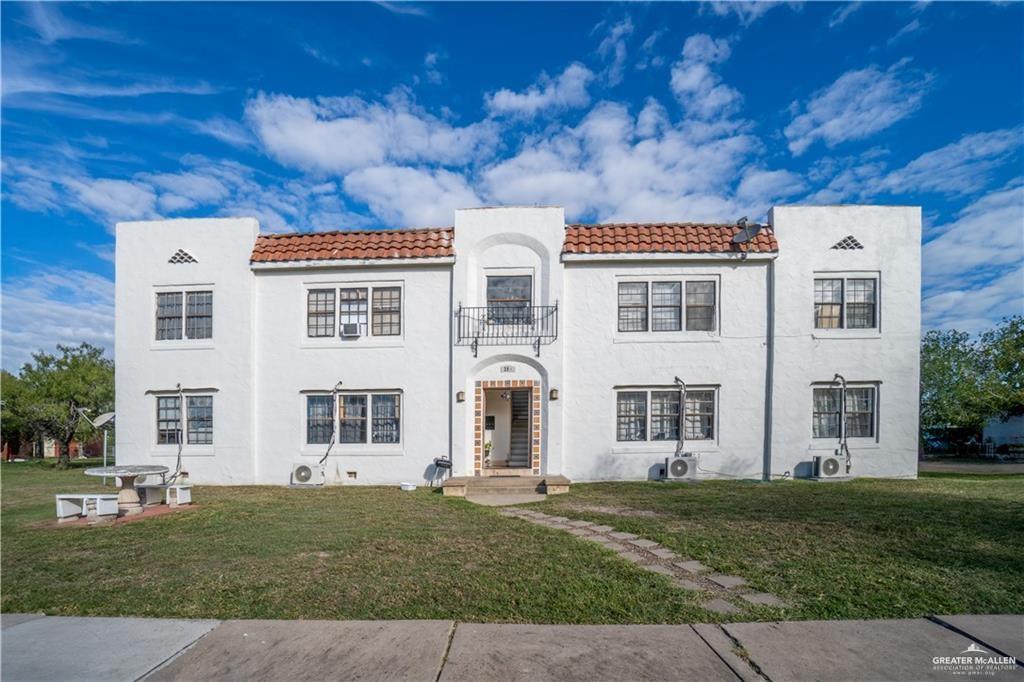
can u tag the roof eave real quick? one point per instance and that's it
(349, 263)
(671, 255)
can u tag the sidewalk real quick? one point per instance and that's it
(51, 648)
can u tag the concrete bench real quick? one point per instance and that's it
(71, 506)
(153, 493)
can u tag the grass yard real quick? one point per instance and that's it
(943, 544)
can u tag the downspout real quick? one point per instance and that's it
(451, 360)
(769, 371)
(681, 442)
(843, 451)
(334, 420)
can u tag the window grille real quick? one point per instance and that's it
(200, 419)
(168, 315)
(828, 303)
(168, 420)
(352, 419)
(386, 418)
(319, 419)
(700, 306)
(353, 308)
(387, 311)
(631, 416)
(632, 306)
(199, 315)
(320, 312)
(667, 306)
(665, 415)
(700, 415)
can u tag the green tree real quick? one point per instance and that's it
(1002, 351)
(951, 379)
(54, 387)
(15, 428)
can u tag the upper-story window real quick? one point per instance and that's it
(660, 306)
(509, 298)
(197, 425)
(353, 312)
(845, 302)
(184, 315)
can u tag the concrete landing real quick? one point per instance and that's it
(504, 499)
(462, 486)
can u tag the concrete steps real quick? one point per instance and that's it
(477, 486)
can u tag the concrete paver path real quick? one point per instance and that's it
(114, 649)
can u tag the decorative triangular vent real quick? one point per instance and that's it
(848, 243)
(182, 256)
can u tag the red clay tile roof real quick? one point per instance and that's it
(370, 244)
(662, 238)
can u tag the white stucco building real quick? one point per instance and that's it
(513, 342)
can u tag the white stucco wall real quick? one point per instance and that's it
(290, 364)
(887, 356)
(602, 359)
(223, 363)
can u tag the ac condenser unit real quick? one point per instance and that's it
(829, 466)
(681, 468)
(350, 330)
(307, 474)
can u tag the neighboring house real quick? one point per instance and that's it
(558, 344)
(1009, 432)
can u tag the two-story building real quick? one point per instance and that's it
(513, 343)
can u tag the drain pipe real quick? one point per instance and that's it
(843, 449)
(184, 413)
(681, 442)
(334, 419)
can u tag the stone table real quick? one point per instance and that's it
(128, 502)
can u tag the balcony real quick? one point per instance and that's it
(506, 325)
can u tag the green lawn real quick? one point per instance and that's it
(944, 544)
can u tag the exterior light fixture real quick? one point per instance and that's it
(553, 394)
(460, 397)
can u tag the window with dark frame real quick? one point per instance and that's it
(320, 312)
(700, 306)
(184, 315)
(846, 303)
(509, 298)
(666, 306)
(386, 425)
(168, 315)
(632, 306)
(200, 419)
(631, 416)
(860, 412)
(352, 418)
(664, 415)
(168, 420)
(319, 419)
(199, 314)
(700, 415)
(352, 307)
(828, 303)
(633, 423)
(387, 311)
(860, 303)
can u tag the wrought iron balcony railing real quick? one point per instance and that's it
(506, 325)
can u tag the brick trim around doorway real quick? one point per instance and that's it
(478, 420)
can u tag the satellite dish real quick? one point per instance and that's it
(103, 419)
(746, 233)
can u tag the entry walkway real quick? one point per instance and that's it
(112, 649)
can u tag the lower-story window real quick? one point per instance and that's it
(634, 422)
(360, 418)
(198, 421)
(860, 412)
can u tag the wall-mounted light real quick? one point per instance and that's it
(460, 397)
(553, 394)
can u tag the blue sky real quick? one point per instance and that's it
(340, 116)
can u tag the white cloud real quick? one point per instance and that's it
(430, 62)
(402, 7)
(342, 134)
(55, 305)
(111, 200)
(411, 197)
(699, 89)
(613, 48)
(911, 28)
(52, 26)
(647, 56)
(747, 12)
(978, 308)
(319, 55)
(857, 105)
(840, 16)
(566, 91)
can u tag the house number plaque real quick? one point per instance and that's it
(508, 369)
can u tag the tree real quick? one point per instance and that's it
(53, 388)
(951, 377)
(1003, 358)
(15, 428)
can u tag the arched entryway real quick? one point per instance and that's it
(507, 414)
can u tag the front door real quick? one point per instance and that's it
(519, 433)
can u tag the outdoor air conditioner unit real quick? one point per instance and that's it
(307, 474)
(830, 466)
(350, 330)
(682, 468)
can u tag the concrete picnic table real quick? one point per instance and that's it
(128, 502)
